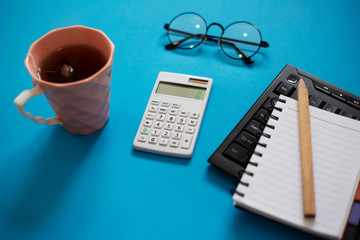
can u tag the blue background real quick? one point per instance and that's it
(54, 185)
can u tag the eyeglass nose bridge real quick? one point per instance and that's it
(214, 38)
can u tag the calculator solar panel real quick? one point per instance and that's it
(235, 151)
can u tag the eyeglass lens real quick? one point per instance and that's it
(239, 40)
(189, 28)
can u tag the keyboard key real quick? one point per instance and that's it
(255, 128)
(284, 89)
(346, 114)
(353, 102)
(237, 153)
(314, 101)
(269, 104)
(292, 78)
(322, 88)
(246, 140)
(262, 115)
(338, 95)
(330, 108)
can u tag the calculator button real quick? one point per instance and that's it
(173, 112)
(237, 153)
(153, 140)
(262, 115)
(144, 130)
(186, 141)
(163, 142)
(160, 117)
(181, 120)
(284, 89)
(169, 126)
(165, 104)
(152, 109)
(255, 128)
(174, 143)
(158, 125)
(190, 130)
(171, 119)
(176, 135)
(175, 105)
(163, 110)
(184, 113)
(142, 138)
(150, 116)
(192, 122)
(194, 115)
(155, 132)
(179, 128)
(166, 134)
(314, 101)
(330, 108)
(155, 102)
(147, 123)
(246, 140)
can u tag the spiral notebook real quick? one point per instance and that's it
(271, 183)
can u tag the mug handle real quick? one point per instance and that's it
(24, 97)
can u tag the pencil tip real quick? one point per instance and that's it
(302, 83)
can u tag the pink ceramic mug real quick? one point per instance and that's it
(82, 107)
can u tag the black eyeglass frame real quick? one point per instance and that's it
(205, 37)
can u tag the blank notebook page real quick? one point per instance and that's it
(275, 189)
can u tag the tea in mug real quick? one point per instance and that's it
(71, 63)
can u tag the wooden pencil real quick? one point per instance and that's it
(306, 152)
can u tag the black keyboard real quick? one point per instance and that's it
(235, 151)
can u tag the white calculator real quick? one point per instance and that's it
(173, 115)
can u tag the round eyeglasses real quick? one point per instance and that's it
(239, 41)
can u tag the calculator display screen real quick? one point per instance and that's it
(180, 90)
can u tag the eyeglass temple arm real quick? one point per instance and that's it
(262, 43)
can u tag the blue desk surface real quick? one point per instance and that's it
(54, 185)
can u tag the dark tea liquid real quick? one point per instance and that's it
(71, 63)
